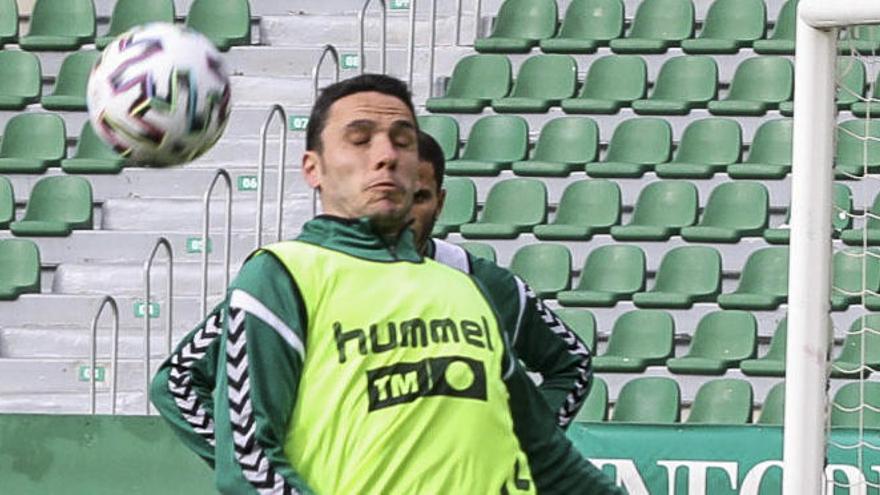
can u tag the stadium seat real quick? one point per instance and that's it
(849, 364)
(588, 24)
(870, 230)
(32, 142)
(763, 284)
(841, 220)
(542, 82)
(595, 407)
(649, 399)
(611, 273)
(612, 82)
(460, 206)
(722, 339)
(60, 25)
(545, 267)
(92, 155)
(520, 25)
(734, 210)
(852, 272)
(769, 154)
(773, 407)
(657, 25)
(858, 148)
(640, 338)
(70, 85)
(20, 266)
(723, 401)
(480, 249)
(772, 363)
(582, 322)
(587, 207)
(8, 21)
(661, 210)
(729, 26)
(130, 13)
(781, 42)
(864, 40)
(707, 146)
(851, 85)
(7, 203)
(57, 206)
(512, 207)
(444, 130)
(856, 405)
(687, 274)
(475, 81)
(494, 143)
(636, 146)
(860, 108)
(759, 84)
(20, 79)
(684, 83)
(225, 22)
(565, 145)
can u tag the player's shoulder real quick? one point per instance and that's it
(485, 270)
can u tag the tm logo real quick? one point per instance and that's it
(452, 376)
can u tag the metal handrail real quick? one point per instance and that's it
(411, 45)
(478, 7)
(169, 307)
(114, 353)
(316, 70)
(361, 17)
(457, 40)
(261, 171)
(433, 43)
(206, 221)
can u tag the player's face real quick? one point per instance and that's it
(427, 204)
(369, 158)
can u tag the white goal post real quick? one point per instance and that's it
(806, 403)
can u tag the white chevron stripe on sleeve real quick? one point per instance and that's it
(249, 304)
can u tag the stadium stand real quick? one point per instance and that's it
(444, 130)
(32, 142)
(461, 196)
(587, 208)
(494, 143)
(514, 206)
(587, 25)
(707, 146)
(612, 82)
(20, 83)
(651, 399)
(92, 155)
(773, 406)
(520, 25)
(595, 408)
(130, 13)
(663, 208)
(7, 203)
(611, 273)
(564, 145)
(542, 81)
(57, 206)
(734, 210)
(684, 83)
(721, 341)
(729, 25)
(69, 92)
(545, 267)
(8, 21)
(225, 22)
(781, 42)
(773, 362)
(723, 401)
(846, 413)
(640, 338)
(656, 26)
(763, 283)
(475, 82)
(636, 146)
(20, 266)
(60, 25)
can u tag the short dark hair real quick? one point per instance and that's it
(430, 151)
(379, 83)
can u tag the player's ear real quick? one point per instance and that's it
(441, 200)
(311, 169)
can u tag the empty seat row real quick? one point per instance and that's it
(69, 24)
(57, 206)
(21, 82)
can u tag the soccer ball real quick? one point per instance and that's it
(159, 95)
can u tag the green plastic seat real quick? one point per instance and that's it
(480, 249)
(7, 202)
(57, 206)
(444, 130)
(587, 207)
(130, 13)
(854, 406)
(70, 86)
(8, 21)
(565, 145)
(687, 274)
(475, 81)
(20, 80)
(852, 272)
(759, 84)
(611, 273)
(851, 85)
(722, 339)
(580, 321)
(650, 399)
(460, 206)
(640, 338)
(657, 25)
(545, 267)
(864, 40)
(595, 407)
(763, 284)
(734, 210)
(723, 401)
(513, 206)
(870, 232)
(841, 220)
(849, 364)
(636, 146)
(769, 154)
(543, 81)
(729, 26)
(494, 143)
(227, 23)
(20, 266)
(781, 42)
(707, 147)
(860, 108)
(772, 410)
(60, 25)
(684, 83)
(520, 25)
(772, 363)
(661, 210)
(588, 24)
(856, 154)
(612, 82)
(32, 142)
(92, 155)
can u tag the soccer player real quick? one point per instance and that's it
(344, 362)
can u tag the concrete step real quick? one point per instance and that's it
(67, 375)
(75, 343)
(70, 403)
(127, 278)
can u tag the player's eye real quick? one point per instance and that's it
(422, 196)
